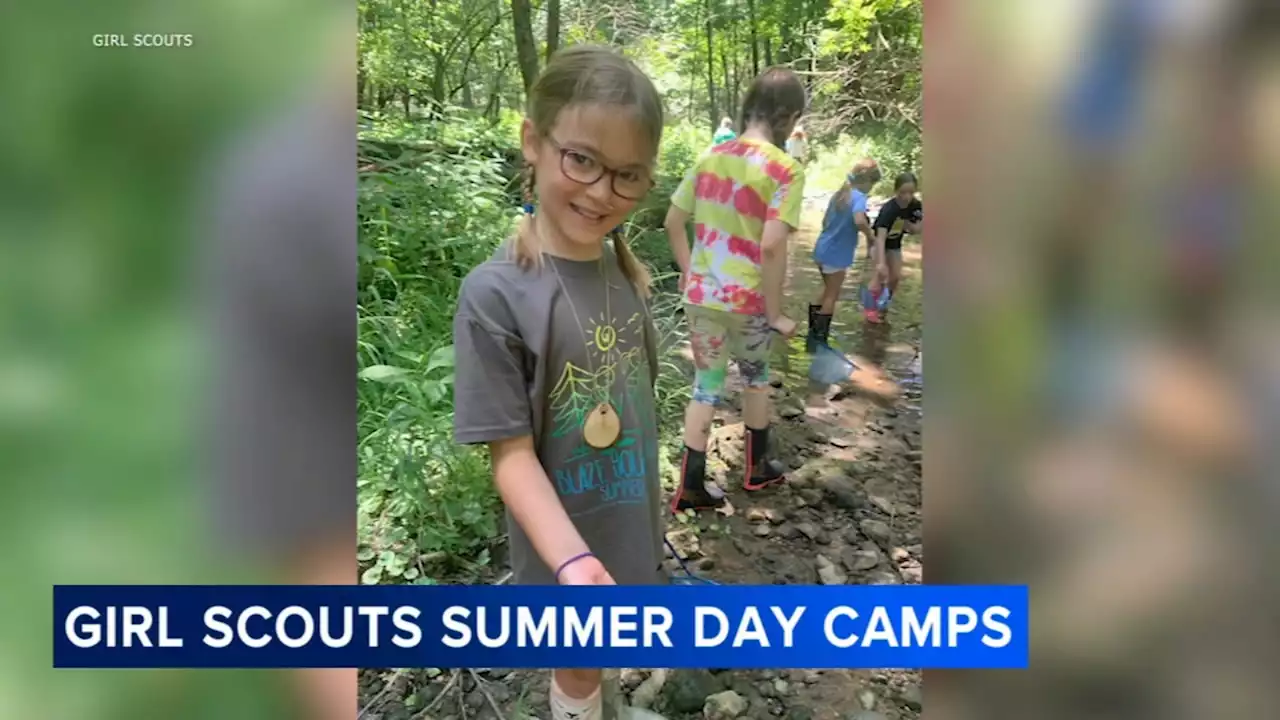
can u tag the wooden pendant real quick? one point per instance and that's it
(602, 427)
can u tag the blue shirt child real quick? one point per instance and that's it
(838, 242)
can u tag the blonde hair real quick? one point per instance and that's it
(593, 74)
(864, 171)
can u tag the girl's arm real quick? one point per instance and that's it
(882, 234)
(863, 224)
(528, 492)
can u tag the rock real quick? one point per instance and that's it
(500, 693)
(742, 686)
(687, 691)
(860, 560)
(916, 550)
(537, 699)
(706, 563)
(788, 531)
(876, 530)
(757, 515)
(912, 697)
(841, 442)
(808, 529)
(781, 687)
(724, 706)
(765, 690)
(630, 678)
(811, 496)
(852, 536)
(899, 555)
(913, 574)
(475, 699)
(882, 503)
(648, 690)
(761, 531)
(798, 712)
(790, 411)
(828, 573)
(865, 715)
(867, 699)
(843, 491)
(812, 677)
(628, 712)
(883, 577)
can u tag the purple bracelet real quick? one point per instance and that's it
(572, 560)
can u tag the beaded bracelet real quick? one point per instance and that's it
(570, 561)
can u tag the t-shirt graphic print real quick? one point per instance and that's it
(536, 352)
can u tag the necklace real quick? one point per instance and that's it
(601, 426)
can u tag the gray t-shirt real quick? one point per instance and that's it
(527, 366)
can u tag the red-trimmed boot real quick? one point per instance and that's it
(761, 472)
(693, 493)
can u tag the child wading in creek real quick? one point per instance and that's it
(837, 245)
(744, 197)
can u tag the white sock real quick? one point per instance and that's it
(564, 707)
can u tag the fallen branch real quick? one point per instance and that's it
(480, 682)
(452, 679)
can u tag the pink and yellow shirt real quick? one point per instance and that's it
(731, 192)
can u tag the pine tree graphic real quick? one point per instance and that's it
(572, 398)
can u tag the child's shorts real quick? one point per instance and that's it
(715, 336)
(830, 269)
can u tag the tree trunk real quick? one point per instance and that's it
(755, 44)
(553, 27)
(711, 72)
(768, 52)
(406, 97)
(526, 48)
(728, 86)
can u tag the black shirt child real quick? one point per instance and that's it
(894, 217)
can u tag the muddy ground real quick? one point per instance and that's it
(850, 513)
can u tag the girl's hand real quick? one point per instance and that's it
(684, 281)
(586, 571)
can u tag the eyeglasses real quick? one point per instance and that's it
(628, 183)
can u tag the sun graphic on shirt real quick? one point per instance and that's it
(603, 335)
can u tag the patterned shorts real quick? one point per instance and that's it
(715, 336)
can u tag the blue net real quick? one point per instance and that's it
(830, 366)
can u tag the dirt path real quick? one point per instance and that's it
(850, 513)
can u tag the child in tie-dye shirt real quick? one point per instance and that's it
(744, 197)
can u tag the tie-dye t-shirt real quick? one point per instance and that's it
(731, 192)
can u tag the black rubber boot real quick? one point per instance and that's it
(761, 471)
(692, 493)
(821, 329)
(811, 341)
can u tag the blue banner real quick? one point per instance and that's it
(459, 626)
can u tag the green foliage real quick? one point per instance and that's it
(426, 218)
(895, 152)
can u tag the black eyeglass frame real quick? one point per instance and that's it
(604, 169)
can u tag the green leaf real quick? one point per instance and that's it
(384, 374)
(365, 555)
(442, 357)
(372, 575)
